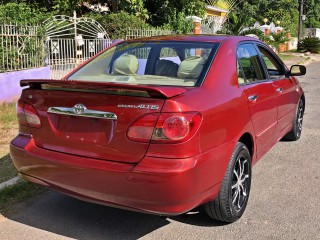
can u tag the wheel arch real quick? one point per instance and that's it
(247, 140)
(304, 101)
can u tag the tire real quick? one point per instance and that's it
(295, 133)
(233, 196)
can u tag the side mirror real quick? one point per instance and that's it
(297, 70)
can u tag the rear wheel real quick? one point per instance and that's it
(295, 133)
(234, 192)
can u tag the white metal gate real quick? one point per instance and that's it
(71, 41)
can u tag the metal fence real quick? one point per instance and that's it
(21, 47)
(65, 54)
(142, 32)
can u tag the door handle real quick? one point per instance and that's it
(253, 97)
(279, 90)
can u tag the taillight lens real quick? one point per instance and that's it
(176, 127)
(142, 129)
(20, 113)
(27, 114)
(165, 128)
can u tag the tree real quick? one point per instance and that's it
(135, 7)
(285, 11)
(163, 11)
(22, 13)
(312, 12)
(236, 24)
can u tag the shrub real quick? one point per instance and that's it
(310, 44)
(22, 13)
(180, 24)
(117, 24)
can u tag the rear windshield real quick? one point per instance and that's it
(150, 63)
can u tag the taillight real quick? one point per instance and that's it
(142, 129)
(165, 128)
(27, 114)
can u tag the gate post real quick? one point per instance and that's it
(197, 24)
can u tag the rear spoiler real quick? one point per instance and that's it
(69, 85)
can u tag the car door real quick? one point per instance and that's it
(285, 87)
(261, 96)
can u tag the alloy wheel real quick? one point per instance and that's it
(240, 183)
(299, 118)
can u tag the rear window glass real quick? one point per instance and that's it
(150, 63)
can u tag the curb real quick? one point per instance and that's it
(10, 182)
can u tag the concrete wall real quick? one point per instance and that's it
(312, 32)
(10, 82)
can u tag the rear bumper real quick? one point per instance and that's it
(154, 185)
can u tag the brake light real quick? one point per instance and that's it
(165, 128)
(176, 127)
(142, 129)
(20, 113)
(27, 114)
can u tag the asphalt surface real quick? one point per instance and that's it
(284, 201)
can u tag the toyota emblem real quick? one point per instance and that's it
(79, 108)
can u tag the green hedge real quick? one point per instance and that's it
(117, 24)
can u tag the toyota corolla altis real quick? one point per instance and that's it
(160, 125)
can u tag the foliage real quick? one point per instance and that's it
(135, 7)
(65, 7)
(312, 11)
(285, 11)
(164, 11)
(180, 24)
(255, 31)
(235, 24)
(310, 44)
(21, 13)
(117, 24)
(277, 39)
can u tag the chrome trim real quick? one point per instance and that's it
(279, 90)
(253, 97)
(83, 113)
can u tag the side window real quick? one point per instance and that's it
(275, 69)
(249, 65)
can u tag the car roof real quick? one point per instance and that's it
(195, 38)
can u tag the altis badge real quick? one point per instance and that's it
(141, 106)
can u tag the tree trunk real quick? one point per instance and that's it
(115, 6)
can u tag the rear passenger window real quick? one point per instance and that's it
(249, 65)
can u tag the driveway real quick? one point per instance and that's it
(284, 201)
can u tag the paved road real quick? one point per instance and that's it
(284, 202)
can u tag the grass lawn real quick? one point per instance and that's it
(8, 130)
(17, 193)
(285, 57)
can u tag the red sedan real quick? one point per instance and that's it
(160, 125)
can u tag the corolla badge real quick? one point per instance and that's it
(79, 108)
(141, 106)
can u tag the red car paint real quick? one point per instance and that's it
(93, 159)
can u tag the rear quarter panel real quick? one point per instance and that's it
(225, 117)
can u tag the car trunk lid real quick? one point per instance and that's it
(92, 119)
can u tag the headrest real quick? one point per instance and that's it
(126, 65)
(166, 68)
(191, 67)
